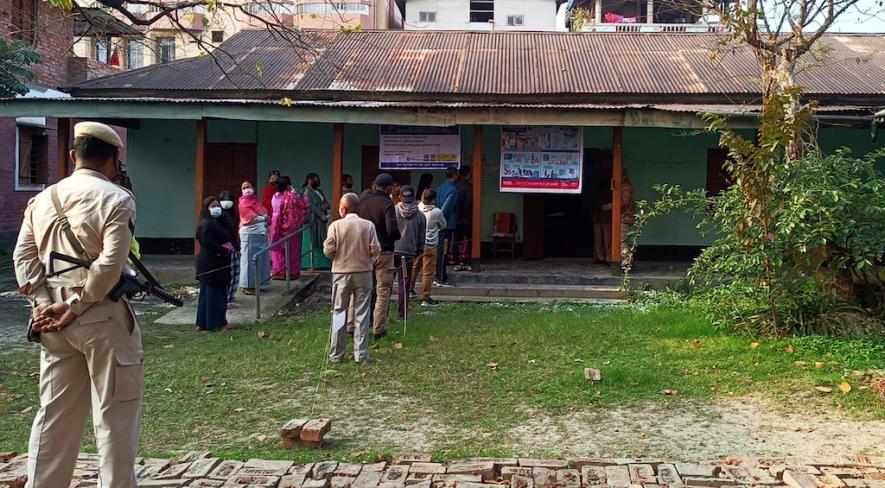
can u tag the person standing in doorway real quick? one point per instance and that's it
(317, 218)
(435, 223)
(353, 246)
(290, 212)
(231, 222)
(90, 345)
(377, 208)
(628, 214)
(413, 232)
(267, 193)
(464, 226)
(447, 199)
(602, 218)
(253, 239)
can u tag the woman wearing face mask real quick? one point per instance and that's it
(213, 268)
(231, 222)
(253, 239)
(289, 212)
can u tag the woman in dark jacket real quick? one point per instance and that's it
(231, 221)
(213, 268)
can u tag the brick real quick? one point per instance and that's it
(201, 468)
(500, 463)
(795, 479)
(593, 475)
(545, 478)
(413, 457)
(416, 479)
(707, 482)
(508, 472)
(831, 481)
(543, 463)
(455, 479)
(313, 483)
(375, 467)
(697, 470)
(423, 484)
(192, 456)
(150, 468)
(469, 484)
(324, 470)
(15, 468)
(348, 469)
(395, 476)
(7, 481)
(668, 476)
(341, 481)
(875, 483)
(315, 430)
(568, 478)
(579, 463)
(854, 482)
(172, 472)
(225, 470)
(367, 479)
(485, 469)
(253, 481)
(842, 471)
(521, 481)
(205, 482)
(291, 481)
(292, 428)
(260, 467)
(617, 476)
(651, 485)
(427, 468)
(168, 483)
(642, 473)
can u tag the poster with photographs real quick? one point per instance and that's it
(541, 159)
(415, 147)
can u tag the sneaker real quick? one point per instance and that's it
(429, 302)
(436, 283)
(335, 360)
(413, 295)
(446, 284)
(457, 267)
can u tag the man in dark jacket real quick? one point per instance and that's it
(447, 200)
(376, 207)
(413, 230)
(464, 229)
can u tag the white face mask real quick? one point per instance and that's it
(248, 192)
(215, 212)
(227, 204)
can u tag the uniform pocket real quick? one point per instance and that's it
(128, 376)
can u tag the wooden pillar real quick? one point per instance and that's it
(650, 12)
(199, 173)
(63, 139)
(476, 237)
(617, 161)
(597, 12)
(337, 166)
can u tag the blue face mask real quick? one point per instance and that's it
(215, 212)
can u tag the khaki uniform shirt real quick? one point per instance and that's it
(352, 245)
(100, 214)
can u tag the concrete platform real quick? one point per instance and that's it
(274, 299)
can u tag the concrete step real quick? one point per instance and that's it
(488, 299)
(531, 291)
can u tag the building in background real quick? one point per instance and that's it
(484, 15)
(640, 16)
(348, 14)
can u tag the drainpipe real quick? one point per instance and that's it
(650, 12)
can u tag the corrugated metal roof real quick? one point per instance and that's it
(432, 65)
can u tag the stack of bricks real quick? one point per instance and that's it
(201, 469)
(305, 432)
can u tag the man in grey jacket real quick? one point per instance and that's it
(413, 229)
(435, 223)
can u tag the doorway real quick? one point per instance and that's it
(228, 166)
(561, 225)
(370, 169)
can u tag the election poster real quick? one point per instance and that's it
(415, 147)
(536, 159)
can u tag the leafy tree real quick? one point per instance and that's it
(15, 57)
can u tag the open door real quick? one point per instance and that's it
(533, 226)
(370, 170)
(228, 166)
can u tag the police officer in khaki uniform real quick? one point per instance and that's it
(91, 345)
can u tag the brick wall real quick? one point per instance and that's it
(54, 37)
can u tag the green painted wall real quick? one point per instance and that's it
(161, 164)
(861, 141)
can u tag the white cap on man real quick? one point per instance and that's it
(99, 131)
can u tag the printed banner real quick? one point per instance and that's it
(541, 159)
(414, 147)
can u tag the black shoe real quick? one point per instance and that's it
(429, 302)
(380, 336)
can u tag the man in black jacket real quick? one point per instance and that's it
(376, 207)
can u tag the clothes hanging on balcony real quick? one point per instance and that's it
(613, 18)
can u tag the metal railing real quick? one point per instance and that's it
(285, 240)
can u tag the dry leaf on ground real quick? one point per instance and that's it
(669, 392)
(823, 389)
(263, 335)
(801, 364)
(754, 345)
(696, 342)
(790, 349)
(844, 387)
(397, 345)
(492, 366)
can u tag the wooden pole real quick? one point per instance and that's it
(63, 138)
(199, 173)
(337, 166)
(476, 237)
(617, 159)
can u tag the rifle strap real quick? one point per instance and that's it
(65, 225)
(142, 269)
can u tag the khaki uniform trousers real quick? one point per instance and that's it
(426, 265)
(384, 274)
(602, 241)
(96, 360)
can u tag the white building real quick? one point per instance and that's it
(525, 15)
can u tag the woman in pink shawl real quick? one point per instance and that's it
(289, 212)
(253, 240)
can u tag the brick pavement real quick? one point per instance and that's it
(201, 469)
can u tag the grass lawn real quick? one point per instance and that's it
(465, 377)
